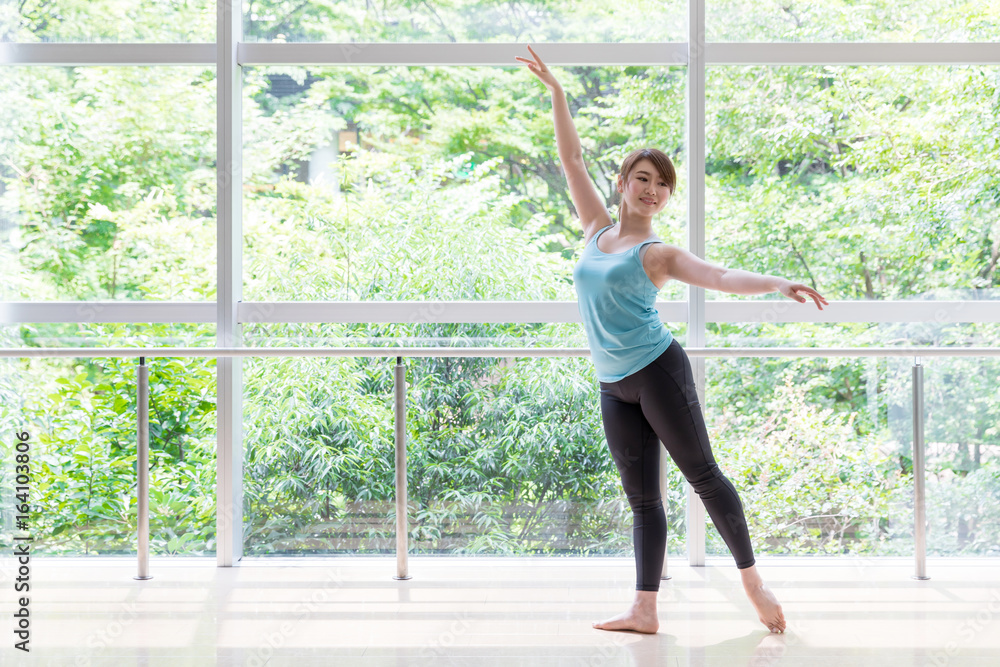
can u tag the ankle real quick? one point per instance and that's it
(751, 579)
(645, 600)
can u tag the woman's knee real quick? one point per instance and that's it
(640, 503)
(707, 478)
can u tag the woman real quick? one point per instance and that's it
(648, 393)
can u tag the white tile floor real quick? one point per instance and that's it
(483, 612)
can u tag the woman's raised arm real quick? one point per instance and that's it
(587, 200)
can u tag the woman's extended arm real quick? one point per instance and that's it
(687, 267)
(737, 281)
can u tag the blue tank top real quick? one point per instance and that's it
(616, 301)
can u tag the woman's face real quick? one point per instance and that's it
(646, 191)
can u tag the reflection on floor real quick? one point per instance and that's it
(487, 611)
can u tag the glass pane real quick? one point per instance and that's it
(852, 334)
(113, 21)
(811, 446)
(456, 191)
(863, 182)
(840, 21)
(80, 414)
(962, 452)
(506, 455)
(108, 183)
(107, 335)
(468, 21)
(426, 334)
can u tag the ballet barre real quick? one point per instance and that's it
(399, 377)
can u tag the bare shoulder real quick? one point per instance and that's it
(657, 261)
(668, 252)
(676, 263)
(661, 253)
(670, 260)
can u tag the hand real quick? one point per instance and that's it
(791, 290)
(540, 70)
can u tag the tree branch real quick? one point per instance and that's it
(869, 290)
(273, 30)
(788, 10)
(994, 258)
(440, 22)
(805, 265)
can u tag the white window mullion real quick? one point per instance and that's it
(696, 242)
(486, 54)
(852, 53)
(71, 55)
(229, 172)
(461, 54)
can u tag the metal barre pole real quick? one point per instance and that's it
(142, 490)
(664, 472)
(919, 509)
(402, 529)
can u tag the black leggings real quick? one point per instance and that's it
(659, 404)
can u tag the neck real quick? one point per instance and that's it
(634, 225)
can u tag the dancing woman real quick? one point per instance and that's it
(648, 393)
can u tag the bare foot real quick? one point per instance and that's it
(768, 609)
(637, 619)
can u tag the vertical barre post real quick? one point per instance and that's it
(664, 472)
(919, 508)
(142, 465)
(402, 528)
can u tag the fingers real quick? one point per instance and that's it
(813, 294)
(532, 65)
(818, 298)
(538, 60)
